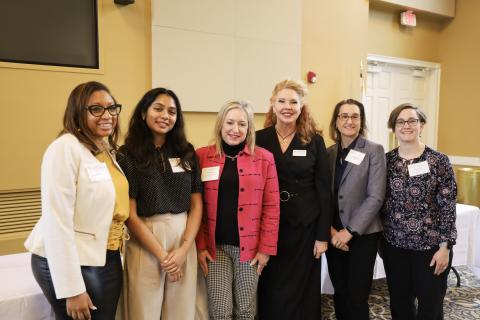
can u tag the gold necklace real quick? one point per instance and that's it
(283, 140)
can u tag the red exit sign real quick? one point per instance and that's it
(408, 18)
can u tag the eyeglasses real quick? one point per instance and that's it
(345, 116)
(411, 122)
(98, 111)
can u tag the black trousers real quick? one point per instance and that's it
(410, 276)
(103, 286)
(351, 274)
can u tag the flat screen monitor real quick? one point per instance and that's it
(49, 32)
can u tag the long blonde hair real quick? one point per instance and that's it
(217, 133)
(306, 126)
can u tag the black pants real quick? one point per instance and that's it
(351, 274)
(103, 286)
(410, 276)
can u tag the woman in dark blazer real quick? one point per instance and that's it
(289, 287)
(358, 185)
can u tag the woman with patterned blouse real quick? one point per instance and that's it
(165, 211)
(419, 220)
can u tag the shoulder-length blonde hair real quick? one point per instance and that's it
(306, 126)
(217, 133)
(75, 116)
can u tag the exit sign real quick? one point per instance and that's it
(408, 18)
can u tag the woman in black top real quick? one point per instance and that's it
(289, 287)
(419, 220)
(165, 211)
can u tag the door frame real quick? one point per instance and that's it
(433, 83)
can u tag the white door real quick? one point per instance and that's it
(391, 84)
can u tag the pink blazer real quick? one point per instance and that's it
(258, 202)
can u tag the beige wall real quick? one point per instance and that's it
(387, 37)
(333, 44)
(452, 43)
(459, 107)
(334, 56)
(33, 101)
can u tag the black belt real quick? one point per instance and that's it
(285, 195)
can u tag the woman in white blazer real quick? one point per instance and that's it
(75, 244)
(358, 185)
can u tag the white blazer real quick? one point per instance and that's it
(78, 198)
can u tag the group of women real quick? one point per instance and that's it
(254, 210)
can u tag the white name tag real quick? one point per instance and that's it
(299, 153)
(416, 169)
(210, 173)
(98, 172)
(355, 157)
(175, 164)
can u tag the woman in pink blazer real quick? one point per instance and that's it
(239, 228)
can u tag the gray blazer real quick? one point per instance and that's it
(362, 188)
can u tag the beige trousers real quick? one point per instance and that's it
(148, 294)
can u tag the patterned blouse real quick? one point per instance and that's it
(419, 211)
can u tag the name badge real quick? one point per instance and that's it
(210, 173)
(175, 164)
(98, 172)
(299, 153)
(355, 157)
(416, 169)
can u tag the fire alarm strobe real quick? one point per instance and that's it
(408, 18)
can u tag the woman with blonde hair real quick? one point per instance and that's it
(239, 228)
(290, 287)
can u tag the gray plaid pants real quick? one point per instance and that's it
(231, 286)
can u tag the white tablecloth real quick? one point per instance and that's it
(20, 295)
(465, 252)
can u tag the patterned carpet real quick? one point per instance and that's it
(460, 303)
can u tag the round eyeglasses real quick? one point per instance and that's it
(98, 111)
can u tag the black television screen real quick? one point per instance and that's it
(49, 32)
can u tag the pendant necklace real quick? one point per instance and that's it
(231, 157)
(283, 139)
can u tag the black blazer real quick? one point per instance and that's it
(307, 177)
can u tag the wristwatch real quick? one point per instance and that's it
(445, 244)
